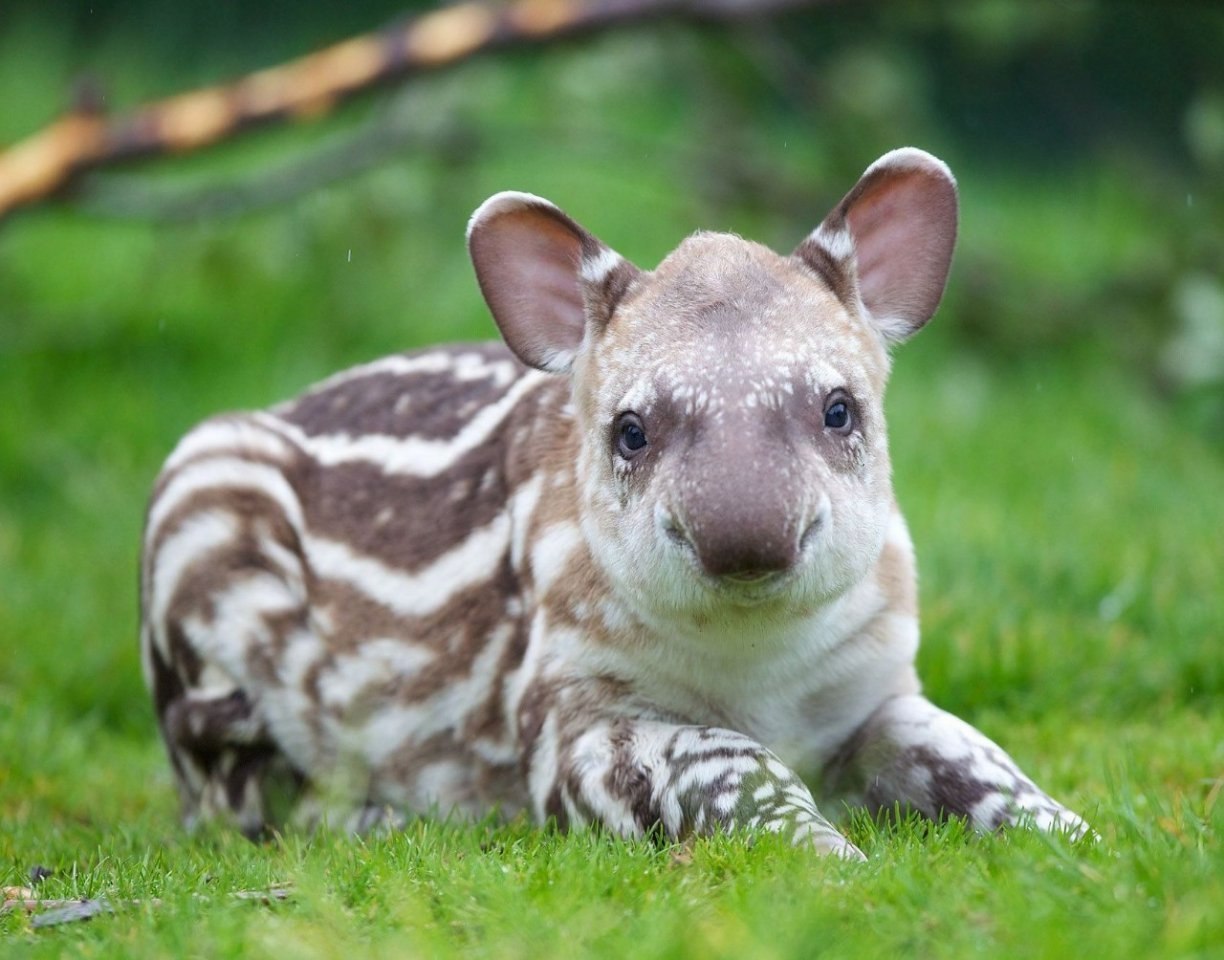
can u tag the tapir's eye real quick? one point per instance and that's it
(837, 415)
(630, 435)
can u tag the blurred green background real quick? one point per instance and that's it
(1058, 429)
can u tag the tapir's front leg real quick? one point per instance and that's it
(914, 754)
(630, 775)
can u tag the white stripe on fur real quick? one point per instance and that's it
(411, 456)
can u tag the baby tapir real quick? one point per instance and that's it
(637, 571)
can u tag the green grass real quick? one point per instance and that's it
(1067, 519)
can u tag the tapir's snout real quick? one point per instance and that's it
(746, 518)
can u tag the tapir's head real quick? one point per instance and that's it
(730, 402)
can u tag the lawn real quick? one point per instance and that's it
(1064, 499)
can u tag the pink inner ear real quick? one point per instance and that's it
(527, 262)
(904, 228)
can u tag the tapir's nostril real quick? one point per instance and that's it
(675, 533)
(812, 532)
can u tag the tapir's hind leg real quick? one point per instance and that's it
(227, 765)
(224, 599)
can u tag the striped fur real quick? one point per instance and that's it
(638, 587)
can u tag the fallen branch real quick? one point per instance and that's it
(50, 161)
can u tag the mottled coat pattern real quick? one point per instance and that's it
(639, 568)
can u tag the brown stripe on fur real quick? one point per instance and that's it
(894, 573)
(407, 522)
(537, 700)
(426, 404)
(184, 660)
(837, 275)
(579, 705)
(554, 809)
(569, 599)
(167, 683)
(491, 720)
(545, 436)
(627, 779)
(264, 661)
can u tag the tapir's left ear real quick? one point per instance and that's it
(894, 232)
(546, 279)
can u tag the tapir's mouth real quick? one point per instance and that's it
(750, 587)
(750, 577)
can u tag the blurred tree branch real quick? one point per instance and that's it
(49, 162)
(391, 130)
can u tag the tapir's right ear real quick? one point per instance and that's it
(544, 277)
(894, 232)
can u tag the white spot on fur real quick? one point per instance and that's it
(837, 243)
(614, 616)
(984, 814)
(239, 621)
(778, 769)
(592, 763)
(595, 271)
(764, 792)
(473, 366)
(437, 784)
